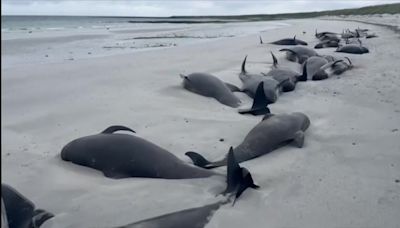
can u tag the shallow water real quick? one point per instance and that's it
(40, 39)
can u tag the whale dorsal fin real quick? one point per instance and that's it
(294, 38)
(243, 71)
(246, 182)
(261, 41)
(115, 128)
(274, 59)
(233, 170)
(260, 103)
(259, 97)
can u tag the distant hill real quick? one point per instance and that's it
(377, 9)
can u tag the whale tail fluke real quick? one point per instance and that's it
(238, 179)
(232, 87)
(115, 128)
(260, 103)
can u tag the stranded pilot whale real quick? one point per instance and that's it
(274, 131)
(19, 212)
(190, 218)
(315, 66)
(287, 41)
(286, 76)
(299, 53)
(200, 216)
(210, 86)
(251, 81)
(123, 156)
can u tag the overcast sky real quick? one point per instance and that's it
(169, 8)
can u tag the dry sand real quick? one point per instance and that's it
(345, 176)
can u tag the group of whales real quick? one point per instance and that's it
(119, 155)
(353, 44)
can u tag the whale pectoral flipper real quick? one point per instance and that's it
(199, 160)
(232, 87)
(299, 139)
(115, 128)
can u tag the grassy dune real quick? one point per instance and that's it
(378, 9)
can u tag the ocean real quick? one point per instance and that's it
(44, 39)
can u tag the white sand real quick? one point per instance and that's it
(343, 177)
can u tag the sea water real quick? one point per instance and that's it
(45, 39)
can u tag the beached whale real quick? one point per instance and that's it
(320, 35)
(189, 218)
(327, 43)
(19, 212)
(274, 131)
(341, 66)
(210, 86)
(315, 68)
(126, 155)
(251, 81)
(287, 41)
(299, 53)
(260, 104)
(285, 76)
(123, 156)
(238, 180)
(352, 49)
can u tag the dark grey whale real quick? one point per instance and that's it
(299, 53)
(190, 218)
(315, 66)
(251, 81)
(238, 180)
(287, 77)
(210, 86)
(123, 155)
(274, 131)
(287, 41)
(352, 49)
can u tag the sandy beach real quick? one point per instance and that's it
(346, 175)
